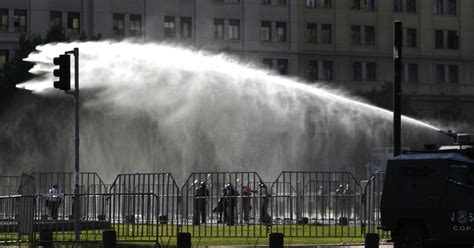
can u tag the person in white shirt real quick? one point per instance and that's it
(53, 201)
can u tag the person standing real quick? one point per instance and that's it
(53, 201)
(200, 200)
(265, 218)
(221, 206)
(231, 203)
(246, 206)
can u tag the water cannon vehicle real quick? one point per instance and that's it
(428, 196)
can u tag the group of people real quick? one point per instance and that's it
(227, 204)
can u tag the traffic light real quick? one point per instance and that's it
(64, 72)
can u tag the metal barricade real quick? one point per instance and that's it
(371, 204)
(16, 220)
(91, 188)
(224, 204)
(9, 185)
(316, 204)
(58, 216)
(144, 207)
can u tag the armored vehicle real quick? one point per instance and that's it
(428, 196)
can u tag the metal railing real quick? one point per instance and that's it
(144, 206)
(371, 204)
(222, 204)
(16, 220)
(9, 185)
(316, 204)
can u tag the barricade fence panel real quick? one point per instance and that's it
(223, 204)
(371, 203)
(57, 215)
(145, 203)
(16, 220)
(316, 204)
(9, 185)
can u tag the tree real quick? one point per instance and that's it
(56, 33)
(16, 70)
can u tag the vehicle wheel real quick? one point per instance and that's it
(410, 236)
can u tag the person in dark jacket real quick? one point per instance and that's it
(246, 206)
(265, 195)
(231, 203)
(200, 200)
(221, 207)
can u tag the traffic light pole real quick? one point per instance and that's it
(75, 93)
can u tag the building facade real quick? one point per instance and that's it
(344, 43)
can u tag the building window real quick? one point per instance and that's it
(453, 73)
(451, 7)
(3, 58)
(371, 71)
(371, 4)
(73, 22)
(3, 19)
(411, 6)
(282, 66)
(397, 5)
(438, 7)
(312, 32)
(311, 3)
(135, 25)
(268, 63)
(219, 29)
(234, 29)
(440, 73)
(370, 35)
(327, 3)
(355, 4)
(170, 27)
(453, 39)
(355, 35)
(356, 71)
(20, 20)
(439, 38)
(266, 2)
(55, 19)
(411, 37)
(322, 3)
(326, 33)
(266, 31)
(119, 24)
(327, 70)
(281, 31)
(413, 73)
(186, 23)
(312, 70)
